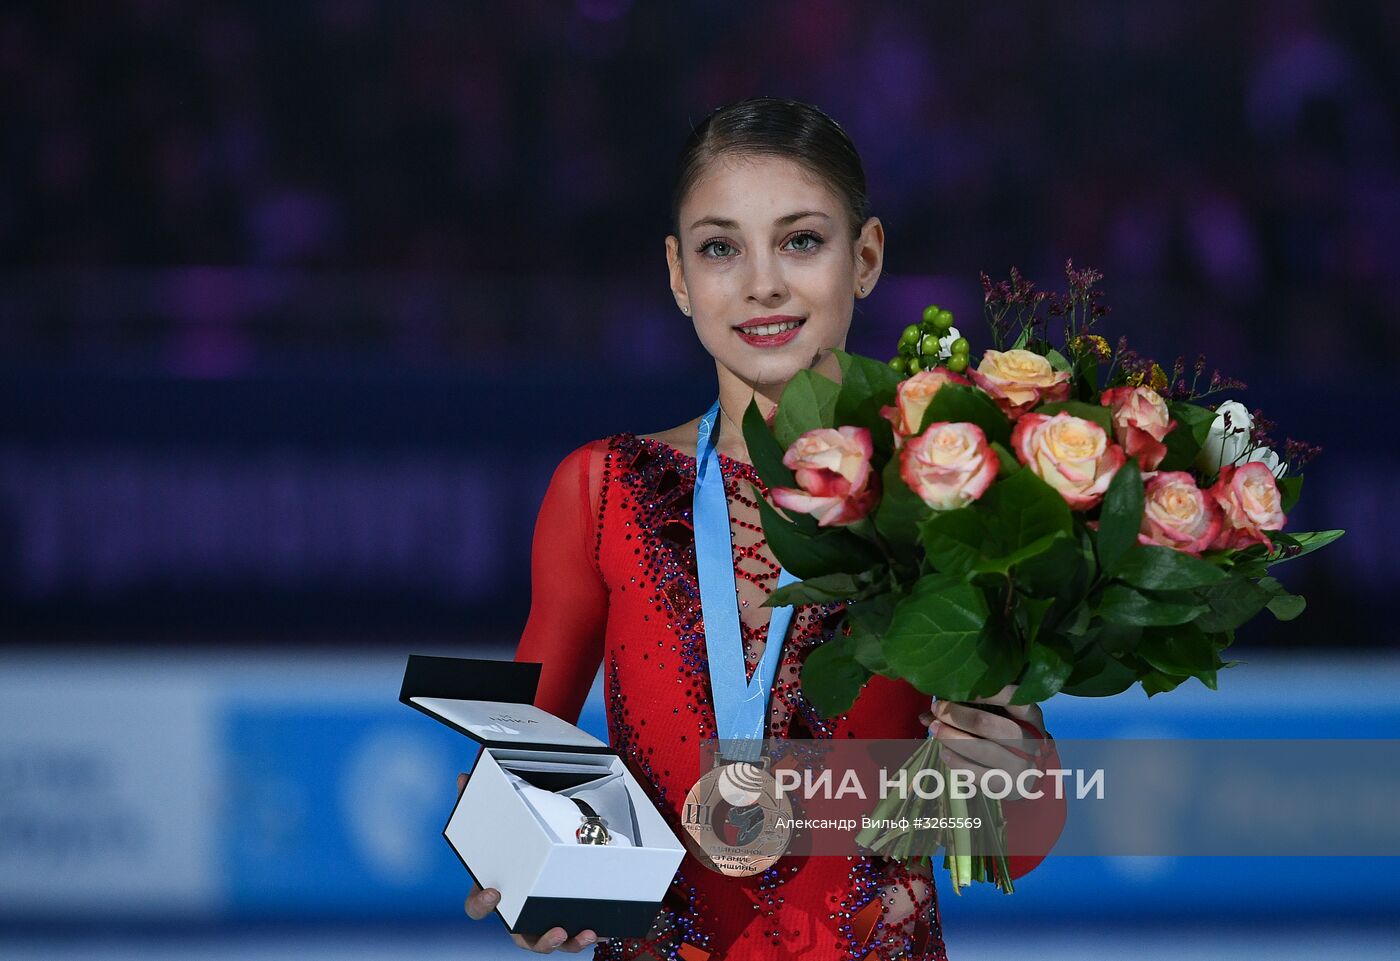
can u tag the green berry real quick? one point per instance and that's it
(961, 346)
(898, 365)
(916, 364)
(957, 363)
(910, 336)
(943, 321)
(930, 312)
(928, 345)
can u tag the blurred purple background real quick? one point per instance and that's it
(301, 303)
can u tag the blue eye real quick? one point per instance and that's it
(807, 235)
(711, 243)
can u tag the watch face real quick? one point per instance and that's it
(735, 819)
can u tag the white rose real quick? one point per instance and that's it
(1267, 457)
(1224, 447)
(945, 343)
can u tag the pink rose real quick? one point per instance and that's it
(1178, 514)
(832, 468)
(1071, 454)
(949, 465)
(1140, 422)
(1019, 380)
(913, 397)
(1249, 499)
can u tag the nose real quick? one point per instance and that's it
(766, 282)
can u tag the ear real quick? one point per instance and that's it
(676, 271)
(869, 256)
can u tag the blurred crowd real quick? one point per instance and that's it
(1232, 167)
(318, 208)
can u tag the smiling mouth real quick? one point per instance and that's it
(765, 330)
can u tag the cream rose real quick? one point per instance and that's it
(1250, 503)
(1019, 380)
(949, 465)
(1140, 422)
(1071, 454)
(832, 469)
(912, 398)
(1178, 514)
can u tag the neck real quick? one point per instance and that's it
(736, 393)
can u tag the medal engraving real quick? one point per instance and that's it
(735, 819)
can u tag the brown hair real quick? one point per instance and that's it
(784, 128)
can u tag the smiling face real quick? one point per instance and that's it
(762, 237)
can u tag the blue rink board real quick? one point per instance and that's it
(337, 812)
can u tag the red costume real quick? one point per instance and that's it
(614, 583)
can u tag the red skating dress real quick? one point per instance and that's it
(614, 583)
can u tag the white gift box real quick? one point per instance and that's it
(512, 828)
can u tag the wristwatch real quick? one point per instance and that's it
(591, 830)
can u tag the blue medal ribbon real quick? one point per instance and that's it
(741, 704)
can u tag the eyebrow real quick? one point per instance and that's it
(781, 221)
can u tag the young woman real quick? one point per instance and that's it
(771, 244)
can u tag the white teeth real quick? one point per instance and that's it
(768, 329)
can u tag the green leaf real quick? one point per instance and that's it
(1022, 509)
(1306, 542)
(1184, 441)
(1048, 667)
(819, 590)
(1164, 569)
(900, 511)
(1123, 605)
(1004, 564)
(1181, 649)
(1156, 682)
(764, 450)
(813, 556)
(1009, 463)
(1030, 614)
(866, 386)
(1057, 360)
(953, 539)
(1283, 605)
(832, 677)
(808, 402)
(1097, 674)
(939, 642)
(1289, 489)
(1232, 602)
(957, 403)
(1095, 413)
(1121, 517)
(870, 620)
(1061, 572)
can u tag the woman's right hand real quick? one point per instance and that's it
(482, 901)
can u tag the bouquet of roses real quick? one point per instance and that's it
(1066, 517)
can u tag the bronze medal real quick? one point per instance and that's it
(738, 823)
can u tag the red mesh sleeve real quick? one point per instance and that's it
(1034, 824)
(568, 598)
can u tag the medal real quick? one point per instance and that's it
(733, 812)
(737, 819)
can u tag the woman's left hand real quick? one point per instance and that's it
(982, 740)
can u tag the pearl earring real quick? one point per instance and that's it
(862, 288)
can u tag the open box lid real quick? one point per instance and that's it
(491, 702)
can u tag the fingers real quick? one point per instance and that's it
(1030, 713)
(980, 753)
(482, 902)
(974, 720)
(557, 939)
(461, 784)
